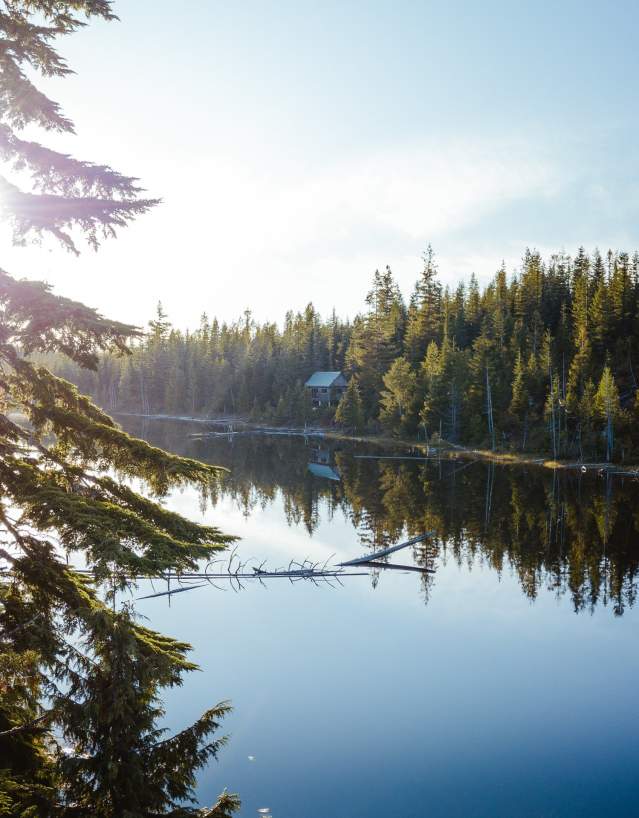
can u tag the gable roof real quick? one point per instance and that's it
(323, 471)
(322, 378)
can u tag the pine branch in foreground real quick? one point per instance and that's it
(80, 682)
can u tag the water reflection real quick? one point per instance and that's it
(560, 532)
(322, 463)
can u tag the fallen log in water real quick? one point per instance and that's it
(385, 551)
(392, 457)
(394, 567)
(236, 571)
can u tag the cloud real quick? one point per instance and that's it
(400, 195)
(232, 235)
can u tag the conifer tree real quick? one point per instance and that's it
(552, 414)
(520, 399)
(586, 417)
(377, 338)
(543, 324)
(66, 193)
(579, 372)
(608, 408)
(432, 372)
(75, 669)
(424, 316)
(398, 398)
(599, 318)
(350, 412)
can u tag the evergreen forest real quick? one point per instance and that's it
(539, 361)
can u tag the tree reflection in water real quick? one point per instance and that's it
(563, 531)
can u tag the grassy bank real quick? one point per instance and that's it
(455, 451)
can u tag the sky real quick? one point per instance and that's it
(298, 146)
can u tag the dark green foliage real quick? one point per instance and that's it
(118, 761)
(350, 410)
(399, 397)
(376, 339)
(515, 366)
(424, 322)
(80, 681)
(35, 319)
(56, 499)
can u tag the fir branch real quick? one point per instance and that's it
(96, 217)
(226, 805)
(34, 319)
(110, 534)
(26, 41)
(54, 172)
(22, 103)
(73, 195)
(36, 724)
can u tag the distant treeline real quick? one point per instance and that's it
(543, 360)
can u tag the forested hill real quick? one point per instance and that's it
(541, 361)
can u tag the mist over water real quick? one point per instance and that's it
(502, 684)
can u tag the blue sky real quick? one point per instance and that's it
(298, 146)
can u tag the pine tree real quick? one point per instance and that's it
(552, 414)
(117, 761)
(520, 398)
(432, 372)
(350, 412)
(78, 670)
(69, 193)
(425, 313)
(377, 338)
(599, 318)
(473, 310)
(608, 408)
(579, 372)
(559, 319)
(398, 398)
(586, 415)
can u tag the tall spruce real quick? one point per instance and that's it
(80, 698)
(425, 312)
(350, 411)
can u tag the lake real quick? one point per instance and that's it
(503, 684)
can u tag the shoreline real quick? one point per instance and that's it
(451, 450)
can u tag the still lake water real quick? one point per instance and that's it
(503, 685)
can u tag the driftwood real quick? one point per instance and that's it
(385, 551)
(392, 457)
(236, 572)
(390, 566)
(256, 429)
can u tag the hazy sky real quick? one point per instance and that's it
(298, 146)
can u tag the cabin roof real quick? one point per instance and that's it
(320, 470)
(322, 378)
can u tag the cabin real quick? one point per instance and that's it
(318, 470)
(326, 388)
(321, 465)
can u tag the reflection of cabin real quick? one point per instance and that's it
(320, 456)
(324, 471)
(320, 464)
(326, 388)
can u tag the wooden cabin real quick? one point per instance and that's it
(326, 388)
